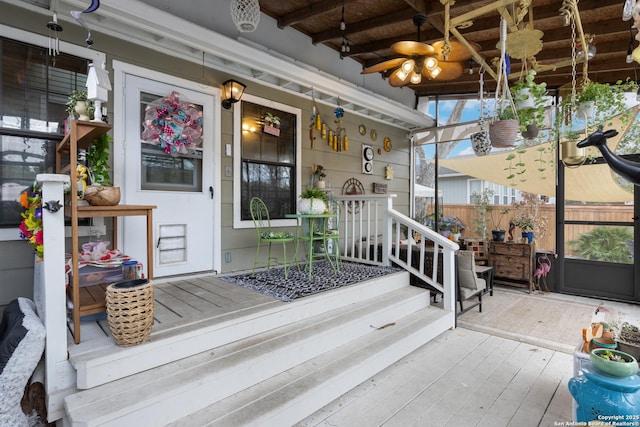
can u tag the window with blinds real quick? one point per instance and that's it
(34, 91)
(268, 160)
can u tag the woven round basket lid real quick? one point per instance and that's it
(125, 284)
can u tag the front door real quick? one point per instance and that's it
(180, 184)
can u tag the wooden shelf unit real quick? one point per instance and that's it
(91, 299)
(512, 263)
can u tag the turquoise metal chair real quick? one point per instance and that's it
(262, 224)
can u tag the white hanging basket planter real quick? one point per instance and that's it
(526, 100)
(311, 206)
(481, 143)
(245, 14)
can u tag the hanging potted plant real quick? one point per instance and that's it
(480, 141)
(529, 98)
(600, 101)
(271, 124)
(100, 192)
(503, 131)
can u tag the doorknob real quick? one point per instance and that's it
(211, 191)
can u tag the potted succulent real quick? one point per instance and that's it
(100, 192)
(312, 201)
(529, 98)
(628, 339)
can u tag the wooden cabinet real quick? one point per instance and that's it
(91, 299)
(512, 263)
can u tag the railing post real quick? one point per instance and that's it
(386, 234)
(49, 291)
(449, 278)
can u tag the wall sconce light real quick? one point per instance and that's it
(231, 93)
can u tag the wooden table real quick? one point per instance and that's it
(317, 230)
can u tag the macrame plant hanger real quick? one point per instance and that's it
(503, 96)
(504, 128)
(480, 141)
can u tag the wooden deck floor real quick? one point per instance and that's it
(506, 366)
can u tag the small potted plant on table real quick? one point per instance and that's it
(498, 232)
(312, 201)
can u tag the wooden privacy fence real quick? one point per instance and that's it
(612, 213)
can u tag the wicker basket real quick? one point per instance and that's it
(130, 311)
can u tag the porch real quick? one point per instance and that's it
(220, 354)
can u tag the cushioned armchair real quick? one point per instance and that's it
(468, 284)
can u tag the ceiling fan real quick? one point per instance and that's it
(423, 60)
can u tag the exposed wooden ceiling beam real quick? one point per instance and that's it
(310, 11)
(365, 25)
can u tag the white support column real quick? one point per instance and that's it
(49, 294)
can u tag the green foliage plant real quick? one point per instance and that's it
(74, 97)
(313, 193)
(497, 225)
(98, 161)
(608, 98)
(538, 91)
(604, 244)
(483, 209)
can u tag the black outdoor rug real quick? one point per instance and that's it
(297, 285)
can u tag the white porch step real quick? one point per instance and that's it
(177, 389)
(104, 361)
(297, 393)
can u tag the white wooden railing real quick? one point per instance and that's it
(370, 228)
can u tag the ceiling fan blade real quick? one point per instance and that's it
(449, 71)
(459, 52)
(411, 48)
(383, 66)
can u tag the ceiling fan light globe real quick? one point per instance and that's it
(400, 74)
(415, 78)
(435, 72)
(431, 63)
(408, 65)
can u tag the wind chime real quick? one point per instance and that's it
(336, 137)
(54, 40)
